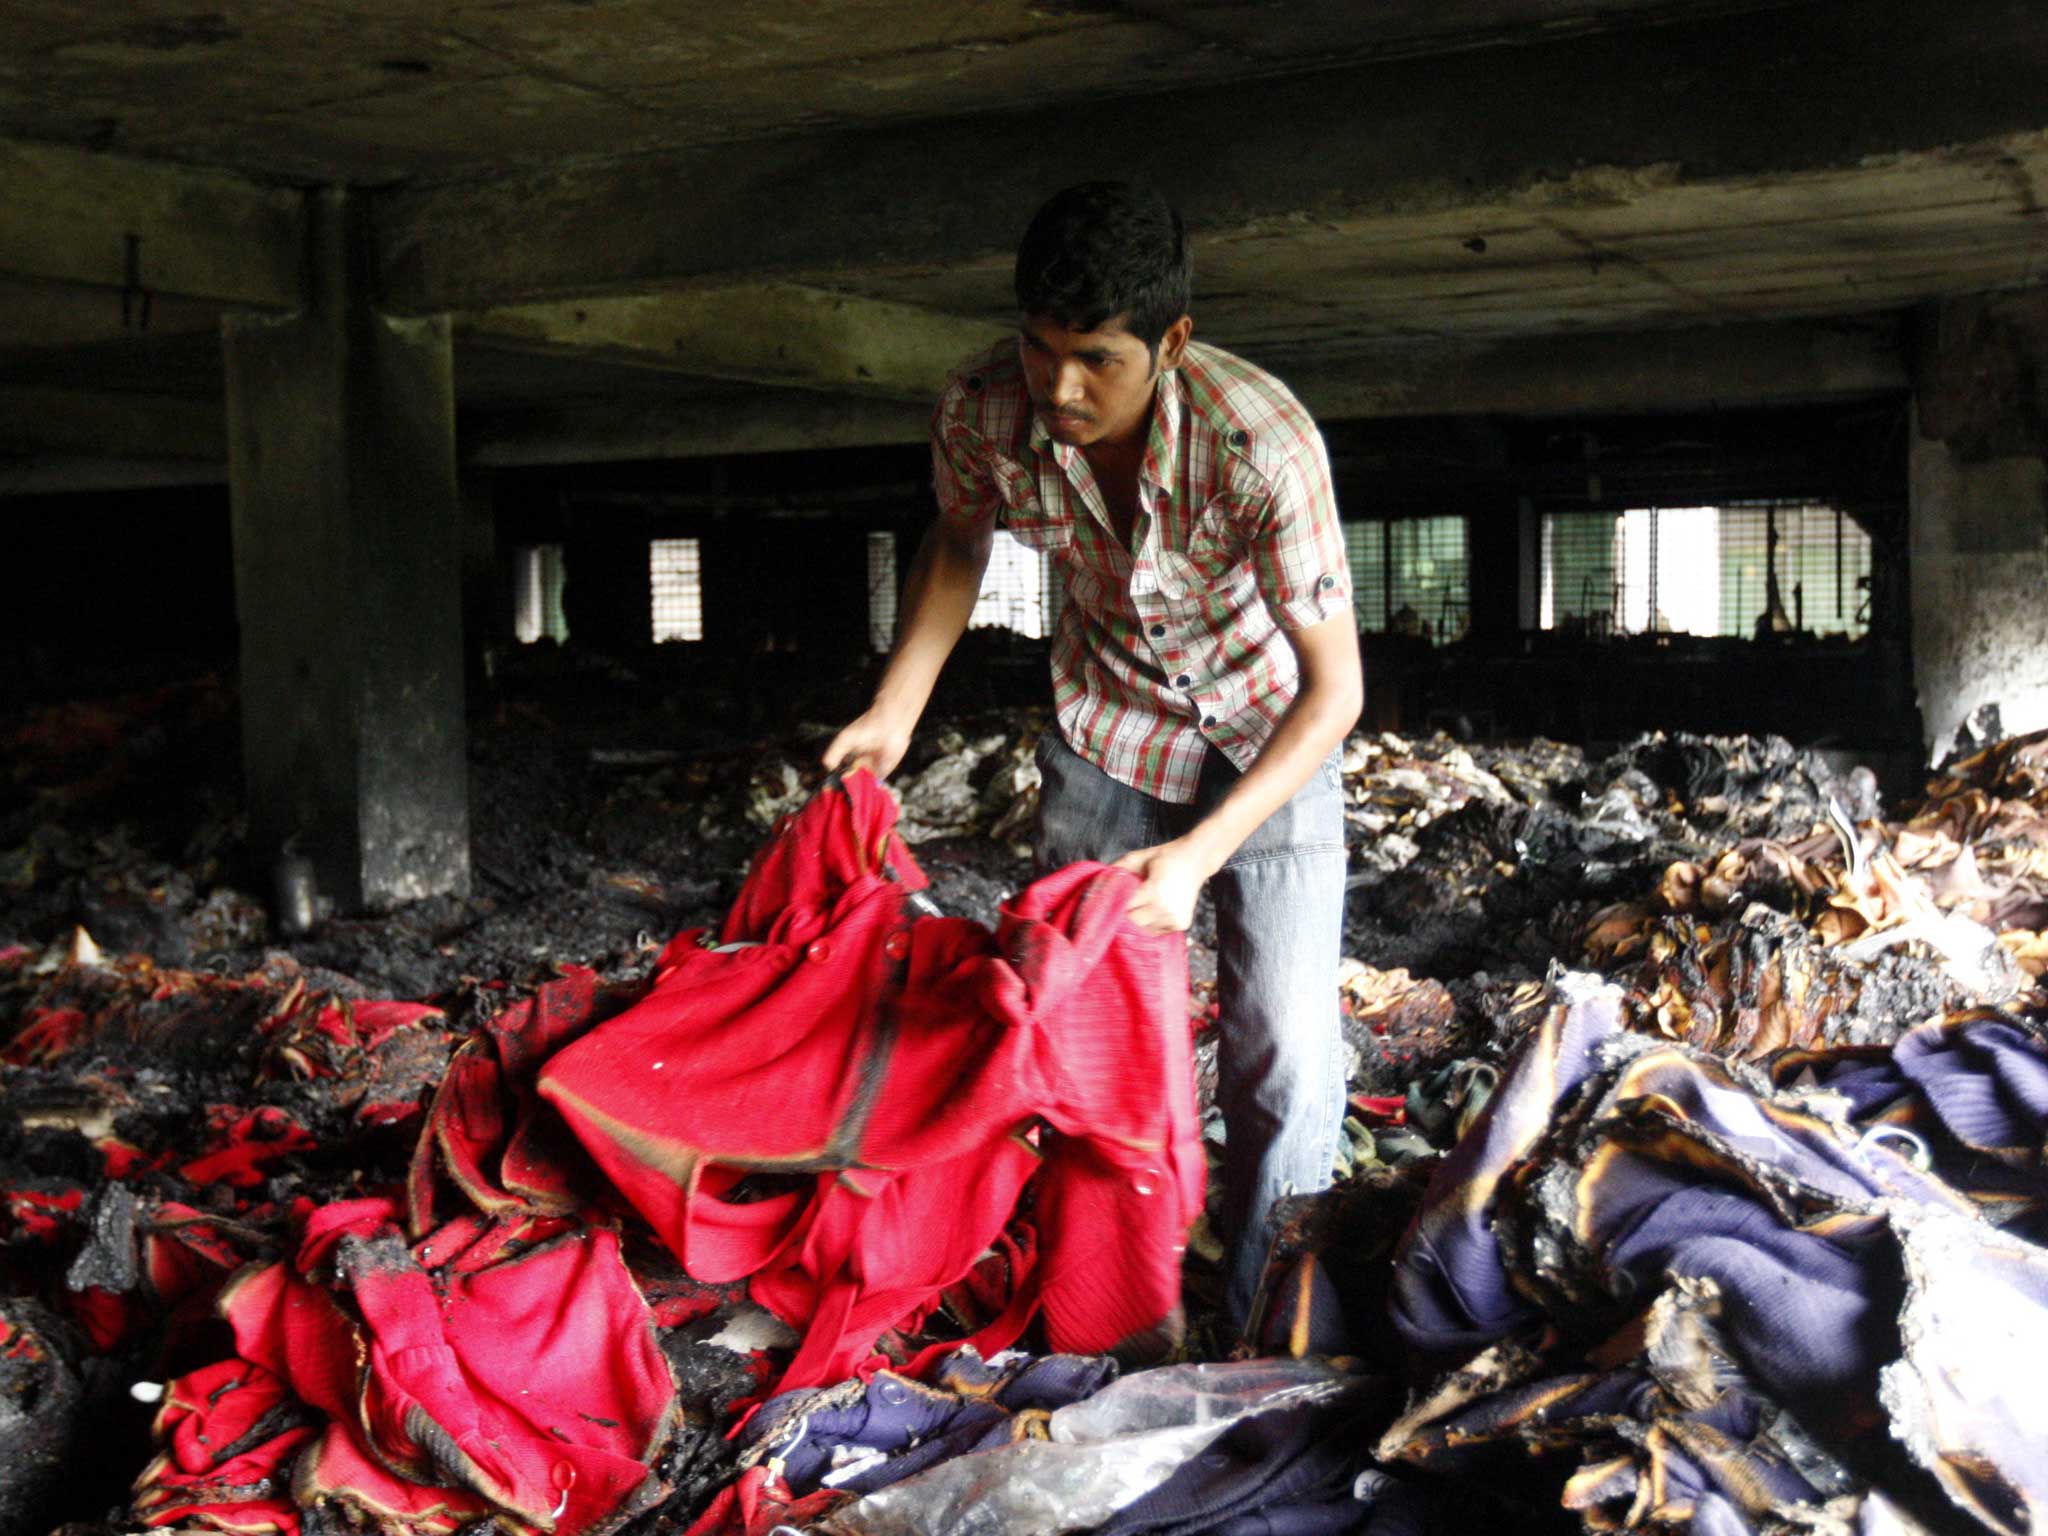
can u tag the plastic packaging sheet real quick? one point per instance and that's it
(1103, 1453)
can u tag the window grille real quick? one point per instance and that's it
(676, 574)
(1581, 570)
(1705, 570)
(1365, 547)
(1823, 567)
(537, 577)
(1409, 575)
(1014, 591)
(881, 591)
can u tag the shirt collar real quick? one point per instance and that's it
(1162, 446)
(1162, 440)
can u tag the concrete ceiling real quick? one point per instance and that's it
(669, 227)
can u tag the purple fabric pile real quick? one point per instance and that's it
(1738, 1308)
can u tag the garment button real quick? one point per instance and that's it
(1208, 722)
(894, 1392)
(897, 945)
(1215, 1459)
(1182, 681)
(1326, 582)
(1145, 1181)
(1370, 1484)
(818, 950)
(1158, 630)
(1239, 438)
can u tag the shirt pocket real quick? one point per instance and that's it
(1220, 538)
(1024, 513)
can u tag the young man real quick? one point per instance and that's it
(1205, 666)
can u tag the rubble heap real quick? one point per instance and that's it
(1711, 1099)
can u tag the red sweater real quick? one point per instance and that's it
(925, 1070)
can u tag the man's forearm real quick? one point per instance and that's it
(1314, 724)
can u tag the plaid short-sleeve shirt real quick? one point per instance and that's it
(1172, 642)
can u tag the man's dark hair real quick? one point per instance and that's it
(1103, 249)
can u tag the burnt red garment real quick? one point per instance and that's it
(923, 1070)
(382, 1056)
(45, 1035)
(243, 1147)
(759, 1503)
(482, 1131)
(229, 1438)
(497, 1367)
(39, 1210)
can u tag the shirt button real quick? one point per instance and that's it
(973, 383)
(1327, 582)
(897, 945)
(1182, 681)
(818, 950)
(1208, 722)
(1239, 438)
(1158, 631)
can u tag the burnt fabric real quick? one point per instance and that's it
(1974, 1088)
(484, 1131)
(1843, 1283)
(866, 1434)
(1299, 1470)
(382, 1058)
(43, 1412)
(759, 1503)
(921, 1071)
(497, 1368)
(230, 1434)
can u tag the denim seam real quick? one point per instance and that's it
(1238, 861)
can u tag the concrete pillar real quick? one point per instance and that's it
(348, 580)
(1978, 559)
(1978, 546)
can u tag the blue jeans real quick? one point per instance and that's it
(1279, 928)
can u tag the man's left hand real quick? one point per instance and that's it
(1173, 874)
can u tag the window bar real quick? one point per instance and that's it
(1650, 609)
(1838, 566)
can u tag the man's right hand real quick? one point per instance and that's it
(874, 742)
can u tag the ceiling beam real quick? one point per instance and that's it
(147, 227)
(1671, 370)
(55, 475)
(774, 333)
(597, 433)
(111, 425)
(45, 315)
(1688, 369)
(1588, 123)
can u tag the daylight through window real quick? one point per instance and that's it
(537, 576)
(1013, 593)
(1707, 570)
(676, 573)
(1408, 576)
(881, 591)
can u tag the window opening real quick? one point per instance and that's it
(676, 577)
(881, 590)
(1706, 570)
(1409, 576)
(538, 572)
(1014, 591)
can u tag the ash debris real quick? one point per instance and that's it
(177, 1074)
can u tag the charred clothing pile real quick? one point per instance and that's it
(478, 1327)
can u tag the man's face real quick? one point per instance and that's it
(1088, 387)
